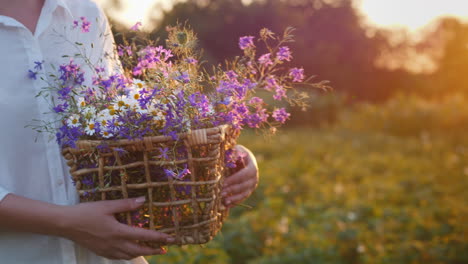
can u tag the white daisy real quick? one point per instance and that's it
(138, 84)
(106, 134)
(90, 128)
(134, 95)
(120, 103)
(81, 103)
(131, 103)
(104, 117)
(73, 121)
(89, 112)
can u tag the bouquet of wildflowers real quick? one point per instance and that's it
(164, 127)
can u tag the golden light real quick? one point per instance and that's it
(137, 11)
(410, 14)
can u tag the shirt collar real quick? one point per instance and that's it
(8, 21)
(62, 4)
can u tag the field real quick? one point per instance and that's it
(349, 194)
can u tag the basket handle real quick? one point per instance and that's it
(197, 137)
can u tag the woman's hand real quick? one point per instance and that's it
(94, 226)
(240, 185)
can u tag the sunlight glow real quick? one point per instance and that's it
(138, 11)
(411, 14)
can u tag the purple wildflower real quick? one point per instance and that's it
(88, 180)
(64, 92)
(232, 157)
(246, 42)
(183, 173)
(232, 75)
(32, 75)
(99, 69)
(163, 154)
(265, 60)
(173, 135)
(271, 83)
(85, 24)
(284, 54)
(60, 108)
(71, 72)
(120, 151)
(191, 60)
(229, 159)
(280, 93)
(256, 102)
(38, 65)
(297, 74)
(169, 173)
(67, 136)
(122, 50)
(178, 176)
(103, 148)
(280, 115)
(183, 77)
(258, 118)
(138, 70)
(201, 102)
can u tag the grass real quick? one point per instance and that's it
(341, 196)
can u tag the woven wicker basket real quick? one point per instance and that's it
(189, 208)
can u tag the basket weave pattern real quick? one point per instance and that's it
(186, 206)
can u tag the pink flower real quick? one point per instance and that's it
(246, 42)
(297, 74)
(256, 102)
(265, 60)
(284, 54)
(271, 83)
(85, 24)
(136, 27)
(280, 93)
(280, 115)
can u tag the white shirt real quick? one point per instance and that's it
(36, 169)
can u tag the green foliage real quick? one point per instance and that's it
(323, 108)
(368, 193)
(409, 115)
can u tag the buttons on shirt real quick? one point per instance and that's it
(59, 182)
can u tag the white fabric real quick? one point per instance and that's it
(36, 169)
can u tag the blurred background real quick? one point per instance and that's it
(375, 171)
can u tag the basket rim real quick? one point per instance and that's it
(81, 143)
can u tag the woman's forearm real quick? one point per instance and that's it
(91, 225)
(22, 214)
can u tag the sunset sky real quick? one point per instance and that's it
(410, 14)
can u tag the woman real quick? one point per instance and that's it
(40, 220)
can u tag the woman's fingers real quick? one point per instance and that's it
(118, 256)
(241, 184)
(237, 177)
(238, 198)
(239, 188)
(134, 250)
(121, 205)
(140, 234)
